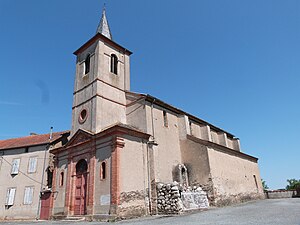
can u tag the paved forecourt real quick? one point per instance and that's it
(264, 212)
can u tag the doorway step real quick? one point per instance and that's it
(75, 218)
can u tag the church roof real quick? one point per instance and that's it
(161, 103)
(101, 37)
(103, 27)
(157, 101)
(31, 140)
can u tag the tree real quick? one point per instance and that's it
(264, 184)
(292, 184)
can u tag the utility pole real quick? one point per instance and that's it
(43, 174)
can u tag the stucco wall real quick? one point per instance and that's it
(167, 153)
(233, 177)
(83, 94)
(133, 177)
(195, 158)
(21, 180)
(90, 106)
(230, 143)
(104, 97)
(104, 73)
(205, 132)
(133, 165)
(108, 113)
(136, 115)
(214, 136)
(102, 186)
(60, 190)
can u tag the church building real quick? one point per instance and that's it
(123, 143)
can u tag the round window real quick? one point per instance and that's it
(82, 116)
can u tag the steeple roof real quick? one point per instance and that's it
(103, 27)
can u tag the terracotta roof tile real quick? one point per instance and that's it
(29, 140)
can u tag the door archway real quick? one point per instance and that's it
(80, 187)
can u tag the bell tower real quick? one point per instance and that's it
(102, 77)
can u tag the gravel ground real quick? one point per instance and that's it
(265, 212)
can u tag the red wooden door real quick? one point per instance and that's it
(45, 206)
(80, 195)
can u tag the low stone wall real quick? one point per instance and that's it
(194, 198)
(172, 198)
(281, 194)
(132, 204)
(226, 200)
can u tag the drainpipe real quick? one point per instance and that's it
(152, 119)
(125, 71)
(150, 144)
(149, 180)
(43, 174)
(148, 162)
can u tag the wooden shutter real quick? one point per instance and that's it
(15, 166)
(32, 165)
(10, 196)
(28, 195)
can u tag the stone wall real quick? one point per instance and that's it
(173, 198)
(280, 194)
(194, 198)
(132, 204)
(225, 200)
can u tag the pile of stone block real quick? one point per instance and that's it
(173, 198)
(194, 198)
(168, 198)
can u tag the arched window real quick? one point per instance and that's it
(114, 64)
(87, 64)
(81, 167)
(61, 179)
(103, 171)
(49, 176)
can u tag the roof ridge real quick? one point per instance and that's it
(36, 135)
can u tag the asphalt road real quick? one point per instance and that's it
(265, 212)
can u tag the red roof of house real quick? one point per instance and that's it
(31, 140)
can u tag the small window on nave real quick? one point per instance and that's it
(165, 117)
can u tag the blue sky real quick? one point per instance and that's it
(233, 63)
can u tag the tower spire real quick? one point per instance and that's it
(103, 27)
